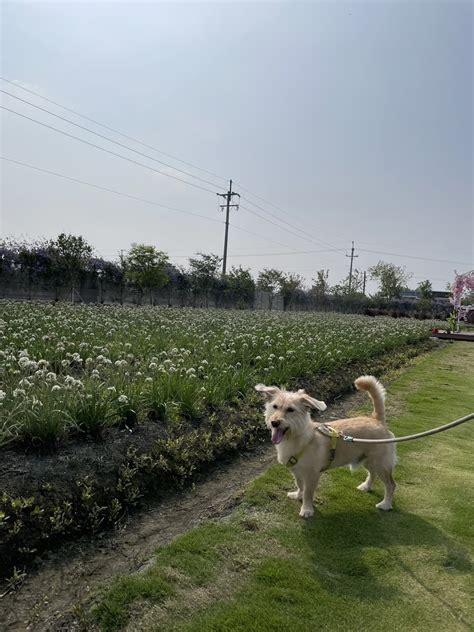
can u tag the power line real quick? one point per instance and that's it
(111, 129)
(76, 113)
(108, 190)
(145, 155)
(134, 197)
(292, 226)
(394, 254)
(144, 165)
(282, 254)
(249, 232)
(265, 219)
(108, 151)
(145, 145)
(110, 140)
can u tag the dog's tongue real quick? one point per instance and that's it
(277, 436)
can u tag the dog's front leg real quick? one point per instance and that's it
(310, 484)
(298, 494)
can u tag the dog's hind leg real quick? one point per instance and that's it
(389, 484)
(366, 486)
(310, 484)
(298, 494)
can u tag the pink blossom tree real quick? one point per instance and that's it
(462, 283)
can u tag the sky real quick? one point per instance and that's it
(341, 121)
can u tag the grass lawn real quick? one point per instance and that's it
(351, 567)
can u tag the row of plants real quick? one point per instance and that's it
(68, 369)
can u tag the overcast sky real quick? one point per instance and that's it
(355, 119)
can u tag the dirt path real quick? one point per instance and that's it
(49, 597)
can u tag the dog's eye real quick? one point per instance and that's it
(275, 406)
(290, 410)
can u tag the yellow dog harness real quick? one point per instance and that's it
(327, 431)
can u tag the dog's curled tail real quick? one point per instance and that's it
(376, 393)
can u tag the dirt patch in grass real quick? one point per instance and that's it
(88, 486)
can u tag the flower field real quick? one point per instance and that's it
(75, 370)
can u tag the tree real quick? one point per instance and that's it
(356, 284)
(291, 284)
(145, 267)
(425, 290)
(392, 279)
(269, 280)
(70, 255)
(241, 284)
(320, 287)
(204, 274)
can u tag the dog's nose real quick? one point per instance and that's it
(276, 423)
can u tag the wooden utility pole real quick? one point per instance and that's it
(365, 279)
(352, 256)
(228, 196)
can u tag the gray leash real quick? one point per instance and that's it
(458, 422)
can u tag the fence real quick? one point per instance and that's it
(92, 289)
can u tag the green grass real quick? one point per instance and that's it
(351, 567)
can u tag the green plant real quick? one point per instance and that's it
(452, 321)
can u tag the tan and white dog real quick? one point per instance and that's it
(306, 451)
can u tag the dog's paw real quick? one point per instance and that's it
(363, 487)
(384, 506)
(307, 512)
(295, 495)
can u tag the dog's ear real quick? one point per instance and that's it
(310, 402)
(268, 392)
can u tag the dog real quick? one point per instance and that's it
(308, 452)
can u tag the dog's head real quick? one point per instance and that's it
(287, 413)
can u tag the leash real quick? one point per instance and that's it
(418, 435)
(334, 435)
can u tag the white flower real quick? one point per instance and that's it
(123, 399)
(2, 395)
(56, 387)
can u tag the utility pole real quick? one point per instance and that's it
(365, 279)
(352, 256)
(228, 196)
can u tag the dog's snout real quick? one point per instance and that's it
(276, 423)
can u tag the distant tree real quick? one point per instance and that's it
(391, 278)
(241, 284)
(320, 287)
(145, 267)
(204, 274)
(356, 284)
(291, 284)
(70, 255)
(425, 291)
(269, 280)
(35, 259)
